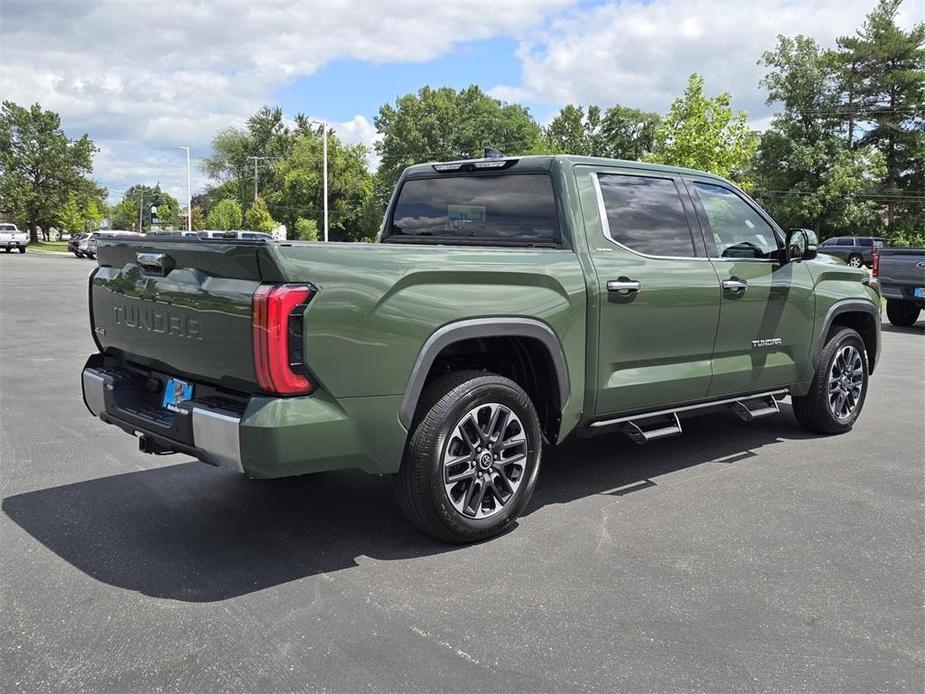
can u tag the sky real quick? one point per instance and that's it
(144, 78)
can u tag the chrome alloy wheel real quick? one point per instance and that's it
(854, 261)
(484, 460)
(846, 379)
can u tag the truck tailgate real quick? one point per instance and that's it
(181, 307)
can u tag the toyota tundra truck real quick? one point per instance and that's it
(507, 304)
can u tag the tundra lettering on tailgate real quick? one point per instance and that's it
(157, 321)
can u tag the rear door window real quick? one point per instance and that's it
(645, 214)
(510, 209)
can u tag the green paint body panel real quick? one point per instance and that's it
(679, 340)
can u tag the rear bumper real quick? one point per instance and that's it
(902, 292)
(260, 436)
(207, 433)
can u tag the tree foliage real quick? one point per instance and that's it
(41, 166)
(618, 132)
(138, 201)
(306, 229)
(704, 133)
(258, 217)
(444, 124)
(883, 69)
(808, 174)
(224, 216)
(83, 210)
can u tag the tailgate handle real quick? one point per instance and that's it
(154, 263)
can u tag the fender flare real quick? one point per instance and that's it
(849, 306)
(474, 328)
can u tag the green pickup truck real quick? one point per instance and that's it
(507, 304)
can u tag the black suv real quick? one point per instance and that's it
(855, 250)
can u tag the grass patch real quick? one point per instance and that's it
(59, 246)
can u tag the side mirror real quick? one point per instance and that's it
(801, 244)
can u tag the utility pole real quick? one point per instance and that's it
(256, 159)
(141, 211)
(324, 140)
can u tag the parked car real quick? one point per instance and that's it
(854, 250)
(87, 245)
(901, 274)
(11, 238)
(73, 244)
(507, 304)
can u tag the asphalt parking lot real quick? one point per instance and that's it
(738, 557)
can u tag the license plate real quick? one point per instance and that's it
(919, 291)
(175, 392)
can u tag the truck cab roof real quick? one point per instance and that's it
(537, 163)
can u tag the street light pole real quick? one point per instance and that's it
(325, 150)
(324, 140)
(189, 193)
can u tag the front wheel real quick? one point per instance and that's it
(854, 260)
(902, 314)
(839, 388)
(471, 463)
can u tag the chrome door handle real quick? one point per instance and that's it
(735, 286)
(623, 286)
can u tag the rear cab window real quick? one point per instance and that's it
(516, 209)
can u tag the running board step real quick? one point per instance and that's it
(634, 428)
(752, 409)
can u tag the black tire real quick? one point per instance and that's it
(22, 249)
(854, 260)
(420, 487)
(902, 314)
(814, 410)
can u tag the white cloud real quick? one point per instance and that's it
(144, 77)
(640, 52)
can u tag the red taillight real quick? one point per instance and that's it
(277, 336)
(875, 263)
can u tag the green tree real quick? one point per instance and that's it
(139, 199)
(807, 172)
(232, 164)
(40, 165)
(300, 187)
(704, 133)
(198, 222)
(306, 229)
(618, 133)
(83, 210)
(883, 67)
(258, 217)
(444, 124)
(224, 216)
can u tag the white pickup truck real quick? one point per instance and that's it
(11, 237)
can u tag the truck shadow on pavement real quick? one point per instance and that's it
(194, 533)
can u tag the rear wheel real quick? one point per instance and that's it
(472, 460)
(839, 388)
(854, 260)
(22, 249)
(903, 314)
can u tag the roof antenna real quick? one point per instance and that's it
(493, 153)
